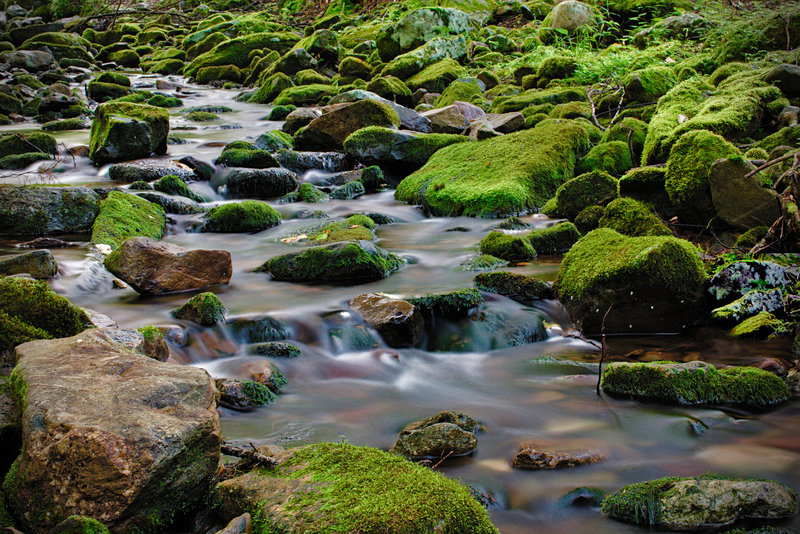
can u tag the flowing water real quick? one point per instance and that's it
(347, 386)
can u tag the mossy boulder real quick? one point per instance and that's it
(613, 157)
(260, 183)
(409, 65)
(21, 161)
(344, 262)
(419, 27)
(352, 481)
(556, 239)
(436, 77)
(444, 434)
(124, 131)
(270, 88)
(394, 149)
(535, 97)
(391, 88)
(570, 17)
(305, 95)
(353, 67)
(699, 503)
(330, 130)
(450, 305)
(650, 284)
(630, 130)
(595, 188)
(519, 287)
(242, 394)
(172, 185)
(245, 157)
(633, 218)
(205, 309)
(122, 216)
(219, 73)
(30, 310)
(688, 168)
(38, 211)
(509, 247)
(245, 216)
(307, 192)
(237, 51)
(695, 383)
(498, 177)
(161, 445)
(26, 143)
(105, 91)
(649, 84)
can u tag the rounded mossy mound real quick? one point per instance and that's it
(688, 167)
(245, 216)
(30, 310)
(694, 383)
(498, 177)
(123, 215)
(650, 284)
(507, 246)
(351, 483)
(632, 218)
(205, 309)
(347, 262)
(595, 188)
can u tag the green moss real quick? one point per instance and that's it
(685, 96)
(258, 394)
(348, 493)
(556, 239)
(757, 153)
(219, 72)
(571, 110)
(150, 333)
(638, 503)
(205, 309)
(375, 144)
(642, 179)
(162, 101)
(632, 218)
(762, 324)
(76, 524)
(62, 125)
(21, 161)
(253, 159)
(275, 349)
(237, 51)
(32, 302)
(663, 275)
(512, 285)
(613, 157)
(649, 84)
(245, 216)
(508, 247)
(114, 77)
(280, 113)
(556, 67)
(535, 97)
(436, 77)
(166, 66)
(341, 231)
(270, 88)
(201, 116)
(307, 192)
(126, 58)
(112, 134)
(310, 76)
(688, 166)
(305, 95)
(27, 143)
(461, 91)
(631, 131)
(589, 189)
(497, 177)
(589, 218)
(695, 383)
(390, 88)
(787, 136)
(748, 240)
(482, 262)
(337, 262)
(14, 331)
(172, 185)
(122, 216)
(452, 304)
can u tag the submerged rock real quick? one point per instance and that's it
(399, 322)
(536, 456)
(154, 268)
(348, 261)
(446, 433)
(694, 383)
(124, 131)
(699, 503)
(241, 394)
(152, 460)
(651, 284)
(204, 309)
(352, 482)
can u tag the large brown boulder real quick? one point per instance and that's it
(110, 434)
(154, 268)
(331, 129)
(740, 200)
(399, 322)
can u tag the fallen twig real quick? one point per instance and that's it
(251, 456)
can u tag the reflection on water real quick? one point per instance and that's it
(348, 386)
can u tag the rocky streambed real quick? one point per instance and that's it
(286, 301)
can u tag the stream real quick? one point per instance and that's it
(344, 387)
